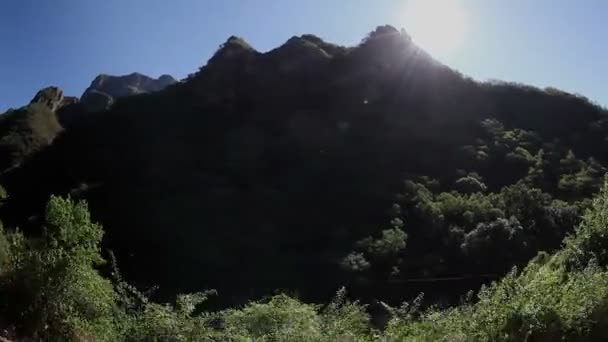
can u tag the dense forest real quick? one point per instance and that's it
(418, 203)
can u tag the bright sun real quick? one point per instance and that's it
(438, 26)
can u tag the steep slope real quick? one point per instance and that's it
(312, 161)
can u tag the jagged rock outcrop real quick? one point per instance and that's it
(69, 100)
(105, 89)
(52, 97)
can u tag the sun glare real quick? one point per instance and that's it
(438, 26)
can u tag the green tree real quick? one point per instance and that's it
(53, 290)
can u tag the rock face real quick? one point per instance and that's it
(52, 97)
(96, 101)
(69, 100)
(105, 89)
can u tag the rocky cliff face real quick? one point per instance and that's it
(105, 89)
(52, 97)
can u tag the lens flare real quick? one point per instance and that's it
(438, 26)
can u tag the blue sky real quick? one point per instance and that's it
(560, 43)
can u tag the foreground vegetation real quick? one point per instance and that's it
(56, 288)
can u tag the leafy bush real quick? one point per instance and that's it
(562, 297)
(52, 288)
(5, 252)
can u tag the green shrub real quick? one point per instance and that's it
(561, 297)
(5, 252)
(281, 319)
(52, 290)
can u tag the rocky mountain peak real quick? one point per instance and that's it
(234, 48)
(52, 97)
(166, 79)
(105, 89)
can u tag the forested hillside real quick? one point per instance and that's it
(304, 169)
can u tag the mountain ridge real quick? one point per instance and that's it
(290, 164)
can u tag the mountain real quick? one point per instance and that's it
(30, 129)
(105, 89)
(313, 166)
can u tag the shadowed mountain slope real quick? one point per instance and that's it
(301, 167)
